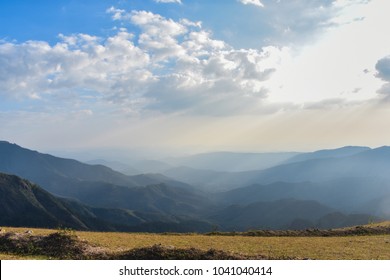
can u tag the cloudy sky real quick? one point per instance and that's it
(195, 75)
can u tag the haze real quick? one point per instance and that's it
(194, 76)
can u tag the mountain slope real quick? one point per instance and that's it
(44, 169)
(25, 204)
(154, 179)
(231, 161)
(329, 153)
(269, 215)
(159, 198)
(98, 185)
(373, 163)
(348, 184)
(207, 180)
(115, 165)
(344, 194)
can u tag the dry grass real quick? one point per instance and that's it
(352, 247)
(333, 248)
(18, 257)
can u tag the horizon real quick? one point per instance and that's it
(128, 156)
(189, 77)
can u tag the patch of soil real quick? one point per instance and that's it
(158, 252)
(56, 245)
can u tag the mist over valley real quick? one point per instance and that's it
(324, 189)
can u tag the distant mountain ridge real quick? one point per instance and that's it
(373, 163)
(99, 186)
(346, 194)
(365, 163)
(275, 215)
(341, 187)
(39, 167)
(231, 161)
(115, 165)
(329, 153)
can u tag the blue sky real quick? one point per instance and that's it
(250, 75)
(43, 20)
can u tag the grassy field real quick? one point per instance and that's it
(334, 248)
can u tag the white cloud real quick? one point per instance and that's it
(252, 2)
(78, 63)
(383, 72)
(340, 61)
(176, 79)
(187, 22)
(118, 14)
(170, 66)
(159, 35)
(168, 1)
(177, 66)
(383, 68)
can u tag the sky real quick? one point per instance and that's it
(189, 76)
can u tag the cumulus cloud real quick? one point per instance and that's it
(78, 62)
(171, 66)
(252, 2)
(118, 14)
(159, 35)
(383, 72)
(383, 68)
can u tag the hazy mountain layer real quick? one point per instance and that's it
(270, 215)
(330, 188)
(345, 194)
(231, 162)
(25, 204)
(329, 153)
(368, 164)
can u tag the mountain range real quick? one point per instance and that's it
(328, 188)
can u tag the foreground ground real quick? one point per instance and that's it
(367, 242)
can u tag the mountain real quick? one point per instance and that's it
(115, 165)
(278, 214)
(230, 161)
(344, 189)
(372, 164)
(206, 180)
(339, 220)
(329, 153)
(344, 194)
(51, 172)
(160, 198)
(286, 214)
(99, 185)
(153, 179)
(25, 204)
(379, 206)
(150, 166)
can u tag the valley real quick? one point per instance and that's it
(324, 189)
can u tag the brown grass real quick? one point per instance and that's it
(325, 248)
